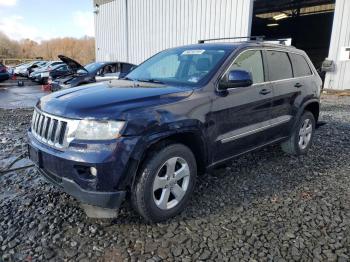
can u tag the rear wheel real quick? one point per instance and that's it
(301, 139)
(165, 183)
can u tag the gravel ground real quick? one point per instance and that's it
(265, 206)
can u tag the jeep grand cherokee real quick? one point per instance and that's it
(181, 112)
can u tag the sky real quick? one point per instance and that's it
(45, 19)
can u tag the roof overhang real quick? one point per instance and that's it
(101, 2)
(265, 6)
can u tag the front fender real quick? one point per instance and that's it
(148, 141)
(169, 131)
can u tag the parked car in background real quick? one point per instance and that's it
(18, 66)
(50, 65)
(17, 69)
(114, 72)
(23, 69)
(45, 77)
(47, 67)
(4, 74)
(87, 74)
(36, 66)
(183, 111)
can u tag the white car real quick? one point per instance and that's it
(23, 69)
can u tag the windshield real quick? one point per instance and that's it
(187, 66)
(90, 68)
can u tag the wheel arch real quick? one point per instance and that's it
(191, 138)
(314, 108)
(312, 105)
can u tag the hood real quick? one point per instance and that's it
(109, 100)
(72, 64)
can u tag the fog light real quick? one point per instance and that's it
(93, 171)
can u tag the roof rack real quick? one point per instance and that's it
(257, 38)
(281, 41)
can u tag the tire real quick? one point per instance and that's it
(152, 184)
(305, 128)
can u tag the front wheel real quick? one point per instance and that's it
(165, 183)
(302, 137)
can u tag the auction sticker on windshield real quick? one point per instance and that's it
(193, 52)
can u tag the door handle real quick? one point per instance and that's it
(265, 91)
(298, 85)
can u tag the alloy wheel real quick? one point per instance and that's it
(305, 134)
(171, 183)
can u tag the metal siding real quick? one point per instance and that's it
(340, 79)
(110, 31)
(154, 25)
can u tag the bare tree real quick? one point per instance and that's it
(82, 49)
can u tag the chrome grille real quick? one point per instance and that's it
(49, 129)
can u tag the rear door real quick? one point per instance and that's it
(302, 72)
(241, 115)
(286, 93)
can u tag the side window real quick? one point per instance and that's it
(117, 68)
(126, 68)
(108, 69)
(252, 62)
(279, 65)
(300, 66)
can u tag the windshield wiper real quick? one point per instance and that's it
(150, 81)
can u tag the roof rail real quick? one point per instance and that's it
(281, 41)
(257, 38)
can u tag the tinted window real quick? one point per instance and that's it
(92, 67)
(126, 68)
(279, 65)
(300, 66)
(250, 61)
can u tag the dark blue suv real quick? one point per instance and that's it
(183, 111)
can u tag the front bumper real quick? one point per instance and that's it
(69, 170)
(110, 200)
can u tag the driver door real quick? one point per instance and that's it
(242, 114)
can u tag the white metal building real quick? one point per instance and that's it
(133, 30)
(339, 50)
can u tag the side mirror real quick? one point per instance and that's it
(236, 78)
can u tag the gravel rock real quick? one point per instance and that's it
(264, 206)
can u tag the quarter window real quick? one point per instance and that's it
(250, 61)
(279, 65)
(126, 68)
(300, 66)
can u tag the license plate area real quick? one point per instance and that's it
(35, 156)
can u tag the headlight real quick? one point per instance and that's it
(98, 130)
